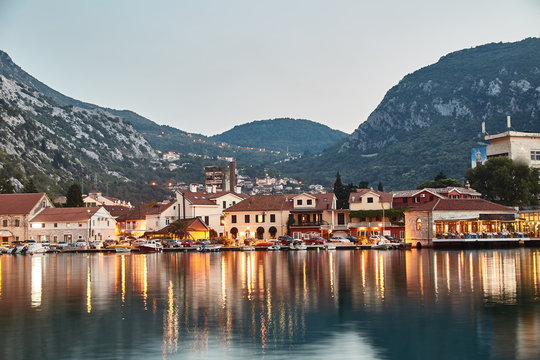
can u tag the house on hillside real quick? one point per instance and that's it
(457, 219)
(15, 210)
(96, 198)
(71, 224)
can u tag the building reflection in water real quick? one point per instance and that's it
(201, 302)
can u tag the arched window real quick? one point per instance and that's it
(418, 224)
(272, 231)
(234, 232)
(260, 233)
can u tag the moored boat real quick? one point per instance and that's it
(330, 246)
(35, 248)
(273, 247)
(151, 246)
(122, 249)
(211, 248)
(248, 248)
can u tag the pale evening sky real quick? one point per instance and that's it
(205, 66)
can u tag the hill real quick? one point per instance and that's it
(284, 135)
(431, 119)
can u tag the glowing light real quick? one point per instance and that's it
(88, 290)
(36, 285)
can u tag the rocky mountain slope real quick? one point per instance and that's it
(431, 119)
(284, 134)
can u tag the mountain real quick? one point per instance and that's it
(285, 135)
(431, 119)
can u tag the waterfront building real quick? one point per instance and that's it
(223, 178)
(412, 198)
(70, 224)
(368, 217)
(209, 205)
(455, 219)
(269, 216)
(15, 211)
(530, 222)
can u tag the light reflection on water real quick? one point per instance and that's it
(337, 304)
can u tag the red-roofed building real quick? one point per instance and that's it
(266, 216)
(411, 198)
(367, 217)
(72, 223)
(457, 219)
(96, 198)
(207, 205)
(15, 210)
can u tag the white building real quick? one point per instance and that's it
(70, 224)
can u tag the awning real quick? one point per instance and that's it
(5, 233)
(500, 217)
(459, 218)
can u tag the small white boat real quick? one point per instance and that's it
(213, 248)
(382, 245)
(330, 246)
(122, 249)
(151, 246)
(35, 248)
(273, 247)
(248, 248)
(297, 245)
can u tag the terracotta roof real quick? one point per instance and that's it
(160, 208)
(199, 197)
(384, 196)
(138, 213)
(116, 210)
(69, 214)
(410, 193)
(461, 190)
(194, 224)
(460, 204)
(263, 203)
(19, 203)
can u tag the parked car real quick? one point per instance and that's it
(339, 239)
(285, 240)
(188, 243)
(377, 238)
(46, 244)
(203, 242)
(170, 243)
(136, 243)
(61, 245)
(317, 240)
(391, 239)
(81, 243)
(351, 238)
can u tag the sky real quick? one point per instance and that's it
(205, 66)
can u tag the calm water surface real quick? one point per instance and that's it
(287, 305)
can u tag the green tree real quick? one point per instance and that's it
(6, 187)
(178, 229)
(440, 181)
(342, 192)
(363, 185)
(29, 187)
(506, 182)
(380, 187)
(74, 196)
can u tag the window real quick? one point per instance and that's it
(370, 200)
(42, 225)
(55, 224)
(246, 219)
(207, 220)
(431, 198)
(309, 202)
(233, 219)
(234, 202)
(416, 200)
(4, 223)
(418, 224)
(224, 204)
(17, 222)
(80, 224)
(341, 219)
(535, 155)
(259, 218)
(272, 218)
(299, 202)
